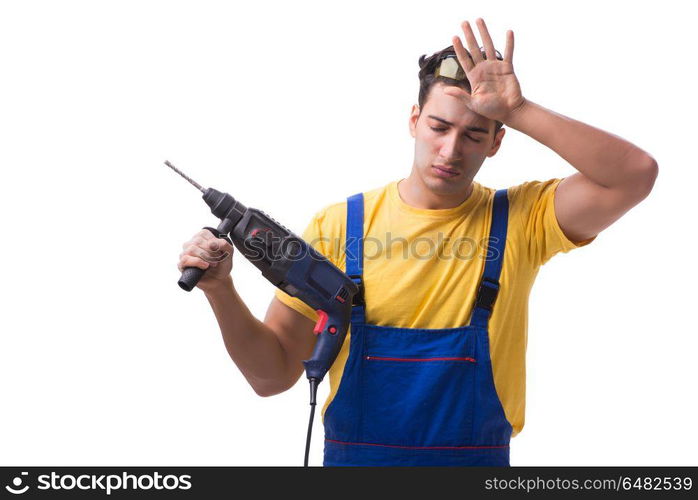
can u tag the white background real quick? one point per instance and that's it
(290, 106)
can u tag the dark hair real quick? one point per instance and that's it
(427, 67)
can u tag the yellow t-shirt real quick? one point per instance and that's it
(422, 268)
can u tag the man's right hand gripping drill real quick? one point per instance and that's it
(205, 251)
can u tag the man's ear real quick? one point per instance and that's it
(414, 115)
(497, 142)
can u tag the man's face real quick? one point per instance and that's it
(451, 142)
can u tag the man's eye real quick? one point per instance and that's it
(441, 129)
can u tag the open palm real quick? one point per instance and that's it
(495, 90)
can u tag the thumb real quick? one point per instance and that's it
(458, 93)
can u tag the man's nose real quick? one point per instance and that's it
(450, 148)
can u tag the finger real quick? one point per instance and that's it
(463, 56)
(192, 262)
(199, 252)
(457, 92)
(486, 40)
(189, 261)
(219, 258)
(219, 249)
(473, 47)
(205, 234)
(509, 49)
(213, 257)
(197, 239)
(218, 245)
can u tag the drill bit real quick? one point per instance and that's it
(194, 183)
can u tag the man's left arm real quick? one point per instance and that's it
(614, 175)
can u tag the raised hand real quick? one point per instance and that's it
(495, 91)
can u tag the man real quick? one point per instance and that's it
(433, 369)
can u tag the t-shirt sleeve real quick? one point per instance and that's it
(534, 207)
(313, 235)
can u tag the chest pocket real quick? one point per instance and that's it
(419, 385)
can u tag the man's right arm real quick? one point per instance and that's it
(270, 353)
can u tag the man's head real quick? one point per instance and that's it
(448, 134)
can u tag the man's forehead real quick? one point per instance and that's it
(453, 111)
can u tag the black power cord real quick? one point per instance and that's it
(313, 394)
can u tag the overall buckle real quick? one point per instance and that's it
(487, 294)
(359, 297)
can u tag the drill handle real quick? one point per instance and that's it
(331, 330)
(191, 275)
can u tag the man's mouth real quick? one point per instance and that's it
(444, 171)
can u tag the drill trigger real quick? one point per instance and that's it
(321, 322)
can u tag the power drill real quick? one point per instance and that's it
(292, 265)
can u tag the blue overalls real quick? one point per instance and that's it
(413, 396)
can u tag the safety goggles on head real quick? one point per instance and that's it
(449, 67)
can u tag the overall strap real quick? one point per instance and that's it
(489, 284)
(355, 253)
